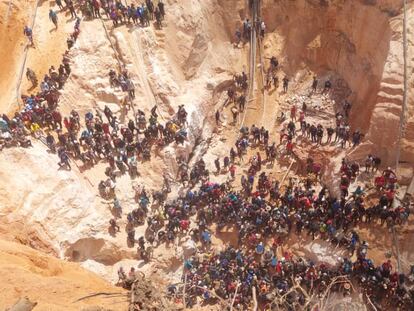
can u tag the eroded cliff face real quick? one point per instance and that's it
(52, 283)
(361, 41)
(190, 62)
(12, 42)
(186, 63)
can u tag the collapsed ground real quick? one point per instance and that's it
(192, 61)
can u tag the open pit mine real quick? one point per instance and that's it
(206, 155)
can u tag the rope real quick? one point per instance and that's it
(402, 118)
(404, 104)
(262, 72)
(404, 107)
(263, 83)
(112, 45)
(8, 12)
(253, 48)
(253, 42)
(19, 81)
(120, 63)
(287, 172)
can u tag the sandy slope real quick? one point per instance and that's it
(178, 65)
(49, 45)
(52, 283)
(12, 20)
(190, 62)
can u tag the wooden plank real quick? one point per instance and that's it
(287, 172)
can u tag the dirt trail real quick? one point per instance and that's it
(17, 55)
(49, 43)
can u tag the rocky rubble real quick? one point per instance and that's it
(146, 295)
(369, 61)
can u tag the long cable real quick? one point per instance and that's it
(402, 119)
(252, 59)
(404, 104)
(8, 12)
(260, 45)
(19, 81)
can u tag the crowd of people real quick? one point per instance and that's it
(296, 125)
(40, 110)
(292, 280)
(315, 132)
(264, 216)
(263, 213)
(100, 139)
(119, 12)
(260, 211)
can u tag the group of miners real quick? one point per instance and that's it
(237, 96)
(121, 13)
(116, 11)
(263, 213)
(263, 210)
(316, 132)
(40, 109)
(230, 275)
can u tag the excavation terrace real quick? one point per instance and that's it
(207, 155)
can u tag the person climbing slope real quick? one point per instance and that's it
(53, 17)
(31, 76)
(27, 31)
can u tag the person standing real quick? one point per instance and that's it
(27, 31)
(53, 17)
(217, 116)
(262, 29)
(314, 84)
(285, 84)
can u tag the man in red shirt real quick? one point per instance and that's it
(293, 112)
(184, 225)
(232, 170)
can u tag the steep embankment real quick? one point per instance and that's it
(185, 63)
(13, 46)
(58, 208)
(52, 283)
(361, 41)
(16, 54)
(189, 62)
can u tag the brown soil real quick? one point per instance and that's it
(192, 62)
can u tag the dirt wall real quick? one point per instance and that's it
(362, 42)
